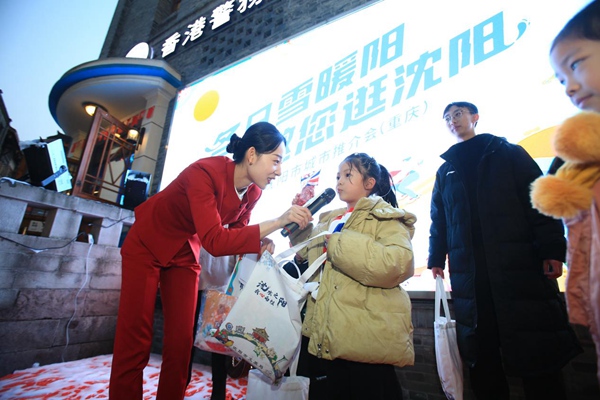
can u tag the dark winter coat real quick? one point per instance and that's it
(532, 322)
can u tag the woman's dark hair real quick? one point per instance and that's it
(369, 168)
(263, 136)
(584, 25)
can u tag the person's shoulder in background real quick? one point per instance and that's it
(555, 165)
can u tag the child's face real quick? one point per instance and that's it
(576, 63)
(351, 186)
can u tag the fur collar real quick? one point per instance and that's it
(577, 141)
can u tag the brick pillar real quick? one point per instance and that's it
(145, 157)
(11, 214)
(106, 232)
(62, 224)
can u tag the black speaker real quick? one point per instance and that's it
(38, 165)
(135, 193)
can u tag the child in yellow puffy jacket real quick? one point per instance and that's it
(358, 325)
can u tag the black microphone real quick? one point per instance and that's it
(313, 207)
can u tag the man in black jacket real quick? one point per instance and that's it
(503, 258)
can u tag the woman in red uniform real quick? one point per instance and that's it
(163, 245)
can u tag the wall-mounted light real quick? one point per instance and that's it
(90, 108)
(141, 50)
(132, 135)
(135, 135)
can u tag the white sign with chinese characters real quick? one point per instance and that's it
(220, 16)
(377, 81)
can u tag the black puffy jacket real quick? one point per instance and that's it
(531, 315)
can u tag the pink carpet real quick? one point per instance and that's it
(88, 379)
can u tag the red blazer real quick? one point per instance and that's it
(194, 207)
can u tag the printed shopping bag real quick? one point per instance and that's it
(217, 302)
(264, 326)
(214, 308)
(241, 273)
(291, 387)
(449, 364)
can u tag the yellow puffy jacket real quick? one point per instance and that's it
(361, 312)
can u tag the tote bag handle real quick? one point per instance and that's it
(294, 249)
(440, 295)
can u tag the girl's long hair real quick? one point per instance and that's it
(369, 168)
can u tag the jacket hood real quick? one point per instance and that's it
(381, 209)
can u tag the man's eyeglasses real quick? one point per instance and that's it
(455, 115)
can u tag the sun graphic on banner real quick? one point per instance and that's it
(539, 144)
(206, 105)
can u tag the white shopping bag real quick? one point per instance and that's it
(292, 387)
(241, 274)
(449, 364)
(264, 325)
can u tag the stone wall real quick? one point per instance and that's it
(59, 291)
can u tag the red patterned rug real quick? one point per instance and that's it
(88, 379)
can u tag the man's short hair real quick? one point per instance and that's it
(469, 106)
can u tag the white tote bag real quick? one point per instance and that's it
(449, 364)
(264, 325)
(242, 271)
(291, 387)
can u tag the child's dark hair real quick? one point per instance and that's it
(263, 136)
(369, 168)
(462, 104)
(584, 25)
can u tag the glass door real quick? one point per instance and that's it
(105, 160)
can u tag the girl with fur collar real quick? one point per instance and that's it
(574, 193)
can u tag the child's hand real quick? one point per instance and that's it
(296, 201)
(307, 193)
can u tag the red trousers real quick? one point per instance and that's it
(142, 277)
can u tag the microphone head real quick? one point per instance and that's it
(329, 195)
